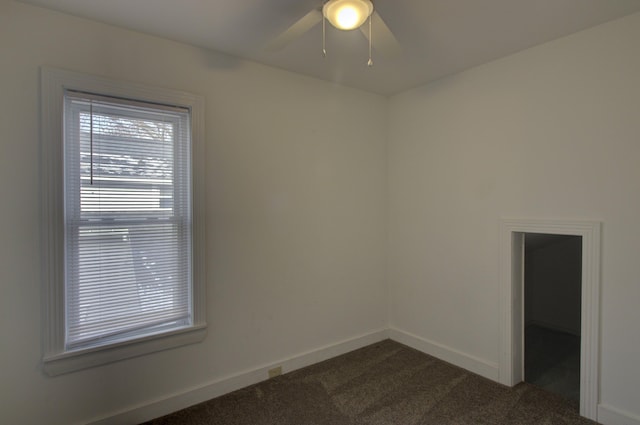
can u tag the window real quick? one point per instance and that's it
(122, 231)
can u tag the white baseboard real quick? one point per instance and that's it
(608, 415)
(466, 361)
(184, 399)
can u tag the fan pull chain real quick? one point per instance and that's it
(370, 63)
(324, 38)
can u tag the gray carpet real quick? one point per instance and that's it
(384, 383)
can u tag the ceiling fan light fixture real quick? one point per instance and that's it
(347, 14)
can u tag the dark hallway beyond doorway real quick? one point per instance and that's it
(552, 361)
(553, 284)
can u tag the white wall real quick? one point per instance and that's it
(296, 215)
(551, 132)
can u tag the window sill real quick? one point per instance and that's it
(59, 364)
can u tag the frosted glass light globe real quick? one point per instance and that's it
(347, 14)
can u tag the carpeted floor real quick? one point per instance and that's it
(384, 383)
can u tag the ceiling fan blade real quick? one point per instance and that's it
(303, 25)
(383, 39)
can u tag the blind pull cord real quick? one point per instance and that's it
(91, 142)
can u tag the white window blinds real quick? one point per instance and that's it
(127, 219)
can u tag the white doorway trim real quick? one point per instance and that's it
(511, 302)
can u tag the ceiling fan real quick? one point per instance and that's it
(346, 15)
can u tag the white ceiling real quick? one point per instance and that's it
(439, 37)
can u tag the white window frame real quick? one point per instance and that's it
(56, 359)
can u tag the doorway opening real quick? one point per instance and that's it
(552, 313)
(511, 367)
